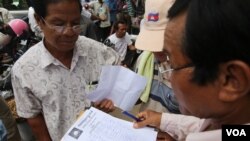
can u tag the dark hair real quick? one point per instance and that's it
(216, 32)
(40, 6)
(116, 25)
(178, 7)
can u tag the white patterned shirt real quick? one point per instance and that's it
(42, 84)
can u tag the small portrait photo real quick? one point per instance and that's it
(75, 133)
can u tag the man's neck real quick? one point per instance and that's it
(65, 57)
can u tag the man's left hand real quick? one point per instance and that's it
(105, 105)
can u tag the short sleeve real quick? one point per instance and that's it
(128, 39)
(27, 104)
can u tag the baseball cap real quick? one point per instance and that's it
(151, 34)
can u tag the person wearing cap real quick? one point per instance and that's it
(10, 30)
(51, 80)
(207, 42)
(158, 94)
(9, 37)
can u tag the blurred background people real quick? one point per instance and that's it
(101, 11)
(158, 94)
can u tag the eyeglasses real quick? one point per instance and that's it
(166, 70)
(60, 29)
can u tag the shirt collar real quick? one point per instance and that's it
(48, 59)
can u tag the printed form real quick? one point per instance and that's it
(95, 125)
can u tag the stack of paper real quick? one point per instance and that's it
(95, 125)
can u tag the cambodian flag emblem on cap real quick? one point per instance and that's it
(154, 17)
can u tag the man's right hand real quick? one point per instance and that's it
(150, 118)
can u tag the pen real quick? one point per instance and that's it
(131, 116)
(135, 118)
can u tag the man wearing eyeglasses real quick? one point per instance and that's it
(51, 79)
(207, 42)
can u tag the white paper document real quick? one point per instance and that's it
(120, 85)
(95, 125)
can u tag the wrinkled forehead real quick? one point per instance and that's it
(62, 3)
(64, 8)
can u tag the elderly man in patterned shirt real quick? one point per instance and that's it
(51, 78)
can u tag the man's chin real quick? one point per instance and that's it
(67, 44)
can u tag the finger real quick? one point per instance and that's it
(142, 115)
(109, 105)
(142, 123)
(111, 109)
(103, 103)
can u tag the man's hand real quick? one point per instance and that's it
(148, 117)
(105, 105)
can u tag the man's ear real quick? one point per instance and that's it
(235, 80)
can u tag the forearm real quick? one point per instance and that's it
(94, 17)
(39, 128)
(180, 125)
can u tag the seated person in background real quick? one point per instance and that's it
(120, 41)
(51, 80)
(210, 69)
(158, 94)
